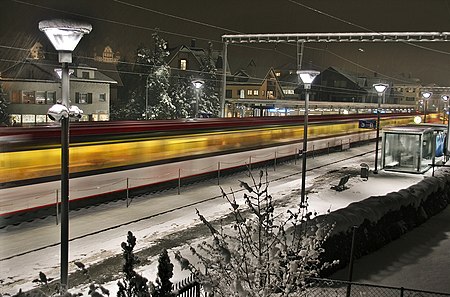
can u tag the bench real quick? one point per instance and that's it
(341, 186)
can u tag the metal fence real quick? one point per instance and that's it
(188, 287)
(322, 288)
(335, 288)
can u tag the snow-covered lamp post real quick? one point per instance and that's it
(446, 99)
(445, 109)
(64, 35)
(198, 84)
(425, 95)
(146, 97)
(307, 77)
(381, 89)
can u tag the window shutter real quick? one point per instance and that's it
(77, 97)
(89, 98)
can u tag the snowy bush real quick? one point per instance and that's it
(262, 253)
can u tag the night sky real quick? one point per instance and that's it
(124, 24)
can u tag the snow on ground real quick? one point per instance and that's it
(18, 272)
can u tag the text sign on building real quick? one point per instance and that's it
(368, 124)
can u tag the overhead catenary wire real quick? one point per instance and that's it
(201, 23)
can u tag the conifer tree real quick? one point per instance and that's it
(4, 115)
(209, 100)
(163, 286)
(132, 284)
(161, 106)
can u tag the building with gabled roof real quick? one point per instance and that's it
(33, 86)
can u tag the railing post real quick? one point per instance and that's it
(128, 191)
(218, 173)
(313, 150)
(295, 157)
(57, 207)
(250, 163)
(179, 180)
(350, 271)
(275, 162)
(402, 291)
(328, 147)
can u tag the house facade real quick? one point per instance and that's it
(33, 86)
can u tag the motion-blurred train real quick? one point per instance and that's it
(33, 154)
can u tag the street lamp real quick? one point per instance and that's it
(146, 97)
(426, 95)
(307, 77)
(380, 88)
(446, 99)
(198, 84)
(64, 35)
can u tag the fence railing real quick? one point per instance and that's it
(335, 288)
(188, 287)
(322, 287)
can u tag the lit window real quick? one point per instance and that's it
(255, 92)
(249, 92)
(277, 73)
(40, 97)
(28, 118)
(102, 97)
(51, 97)
(183, 64)
(41, 118)
(83, 98)
(28, 97)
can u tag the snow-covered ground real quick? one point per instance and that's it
(388, 266)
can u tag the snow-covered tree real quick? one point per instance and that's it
(132, 284)
(131, 110)
(262, 253)
(209, 101)
(4, 115)
(181, 93)
(161, 106)
(163, 286)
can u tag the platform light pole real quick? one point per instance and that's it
(146, 97)
(381, 89)
(307, 77)
(64, 36)
(446, 99)
(425, 95)
(198, 84)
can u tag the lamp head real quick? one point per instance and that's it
(64, 34)
(307, 76)
(426, 94)
(57, 112)
(380, 88)
(198, 84)
(445, 98)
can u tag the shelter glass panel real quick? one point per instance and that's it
(402, 152)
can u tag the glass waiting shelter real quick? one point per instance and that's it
(412, 148)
